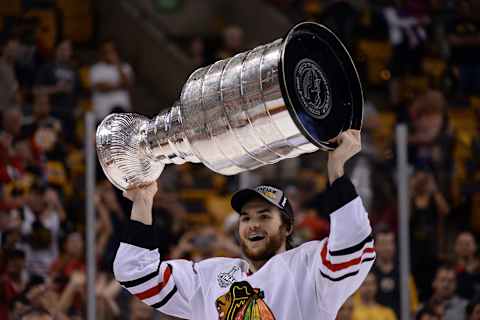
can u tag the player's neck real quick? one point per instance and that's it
(255, 265)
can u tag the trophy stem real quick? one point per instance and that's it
(166, 140)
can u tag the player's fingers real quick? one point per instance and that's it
(151, 188)
(354, 137)
(335, 140)
(130, 194)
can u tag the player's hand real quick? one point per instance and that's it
(349, 144)
(144, 193)
(142, 198)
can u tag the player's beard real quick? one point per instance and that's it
(271, 247)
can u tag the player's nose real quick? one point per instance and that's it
(254, 227)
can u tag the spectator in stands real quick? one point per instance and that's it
(386, 270)
(429, 208)
(444, 294)
(367, 307)
(311, 222)
(37, 294)
(36, 314)
(12, 281)
(428, 314)
(232, 42)
(467, 266)
(10, 130)
(140, 310)
(8, 81)
(197, 52)
(407, 36)
(431, 140)
(72, 298)
(59, 80)
(472, 184)
(464, 40)
(12, 122)
(346, 310)
(204, 243)
(70, 260)
(363, 164)
(341, 17)
(42, 217)
(111, 81)
(107, 290)
(104, 225)
(473, 309)
(169, 215)
(41, 116)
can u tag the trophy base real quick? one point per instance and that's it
(123, 153)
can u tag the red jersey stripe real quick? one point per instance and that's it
(156, 290)
(340, 266)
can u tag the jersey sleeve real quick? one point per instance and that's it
(346, 257)
(331, 270)
(164, 285)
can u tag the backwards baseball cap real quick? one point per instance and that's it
(273, 195)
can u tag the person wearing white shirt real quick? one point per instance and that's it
(272, 282)
(111, 81)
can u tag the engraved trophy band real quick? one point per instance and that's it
(276, 101)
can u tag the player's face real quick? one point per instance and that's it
(262, 233)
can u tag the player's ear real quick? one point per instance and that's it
(289, 229)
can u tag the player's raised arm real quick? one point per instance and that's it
(348, 253)
(164, 285)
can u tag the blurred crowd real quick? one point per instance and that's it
(419, 64)
(44, 95)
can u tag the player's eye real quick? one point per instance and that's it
(245, 218)
(265, 217)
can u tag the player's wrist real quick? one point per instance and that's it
(142, 211)
(335, 170)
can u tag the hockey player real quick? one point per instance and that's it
(308, 282)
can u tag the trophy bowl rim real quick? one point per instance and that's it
(355, 83)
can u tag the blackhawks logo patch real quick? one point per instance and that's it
(242, 302)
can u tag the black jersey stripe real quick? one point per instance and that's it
(136, 282)
(347, 275)
(352, 249)
(368, 259)
(166, 299)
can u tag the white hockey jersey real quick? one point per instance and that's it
(305, 283)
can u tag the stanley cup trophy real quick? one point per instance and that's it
(277, 101)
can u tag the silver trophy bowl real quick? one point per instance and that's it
(277, 101)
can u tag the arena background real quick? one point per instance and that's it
(420, 67)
